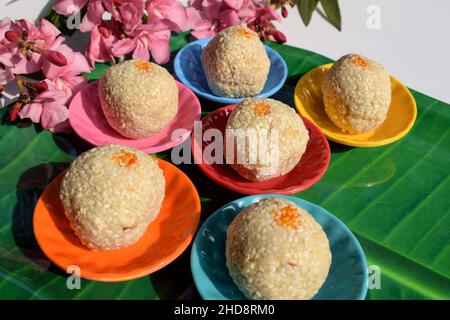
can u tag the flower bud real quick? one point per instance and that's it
(284, 12)
(104, 31)
(41, 86)
(57, 58)
(279, 36)
(12, 36)
(14, 112)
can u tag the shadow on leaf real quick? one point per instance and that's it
(30, 186)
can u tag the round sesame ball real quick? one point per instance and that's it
(110, 194)
(275, 138)
(276, 250)
(138, 98)
(236, 63)
(357, 93)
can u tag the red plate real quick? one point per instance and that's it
(308, 171)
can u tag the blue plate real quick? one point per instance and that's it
(189, 70)
(347, 279)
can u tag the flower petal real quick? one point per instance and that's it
(124, 46)
(23, 65)
(5, 25)
(99, 49)
(53, 114)
(229, 17)
(131, 16)
(32, 111)
(170, 12)
(159, 46)
(141, 52)
(48, 29)
(234, 4)
(69, 7)
(93, 16)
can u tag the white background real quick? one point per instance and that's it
(413, 42)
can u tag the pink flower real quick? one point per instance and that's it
(262, 23)
(208, 17)
(66, 78)
(266, 13)
(93, 15)
(245, 9)
(148, 38)
(48, 108)
(130, 14)
(170, 12)
(126, 17)
(100, 45)
(27, 48)
(113, 6)
(25, 44)
(6, 75)
(211, 16)
(5, 25)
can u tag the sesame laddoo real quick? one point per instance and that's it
(236, 63)
(275, 250)
(275, 138)
(138, 98)
(357, 94)
(110, 195)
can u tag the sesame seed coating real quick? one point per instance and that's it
(110, 194)
(357, 93)
(269, 259)
(138, 98)
(236, 63)
(267, 115)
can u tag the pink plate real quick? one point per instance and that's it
(87, 119)
(308, 171)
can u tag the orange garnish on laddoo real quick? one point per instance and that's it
(360, 61)
(287, 217)
(125, 158)
(244, 33)
(143, 65)
(261, 109)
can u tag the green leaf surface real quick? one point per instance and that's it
(332, 12)
(394, 198)
(306, 9)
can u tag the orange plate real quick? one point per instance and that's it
(165, 239)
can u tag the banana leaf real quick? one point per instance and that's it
(395, 198)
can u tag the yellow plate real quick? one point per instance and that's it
(400, 118)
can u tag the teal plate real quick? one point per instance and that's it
(347, 279)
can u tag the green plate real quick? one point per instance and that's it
(394, 198)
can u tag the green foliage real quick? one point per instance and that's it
(330, 7)
(332, 12)
(306, 9)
